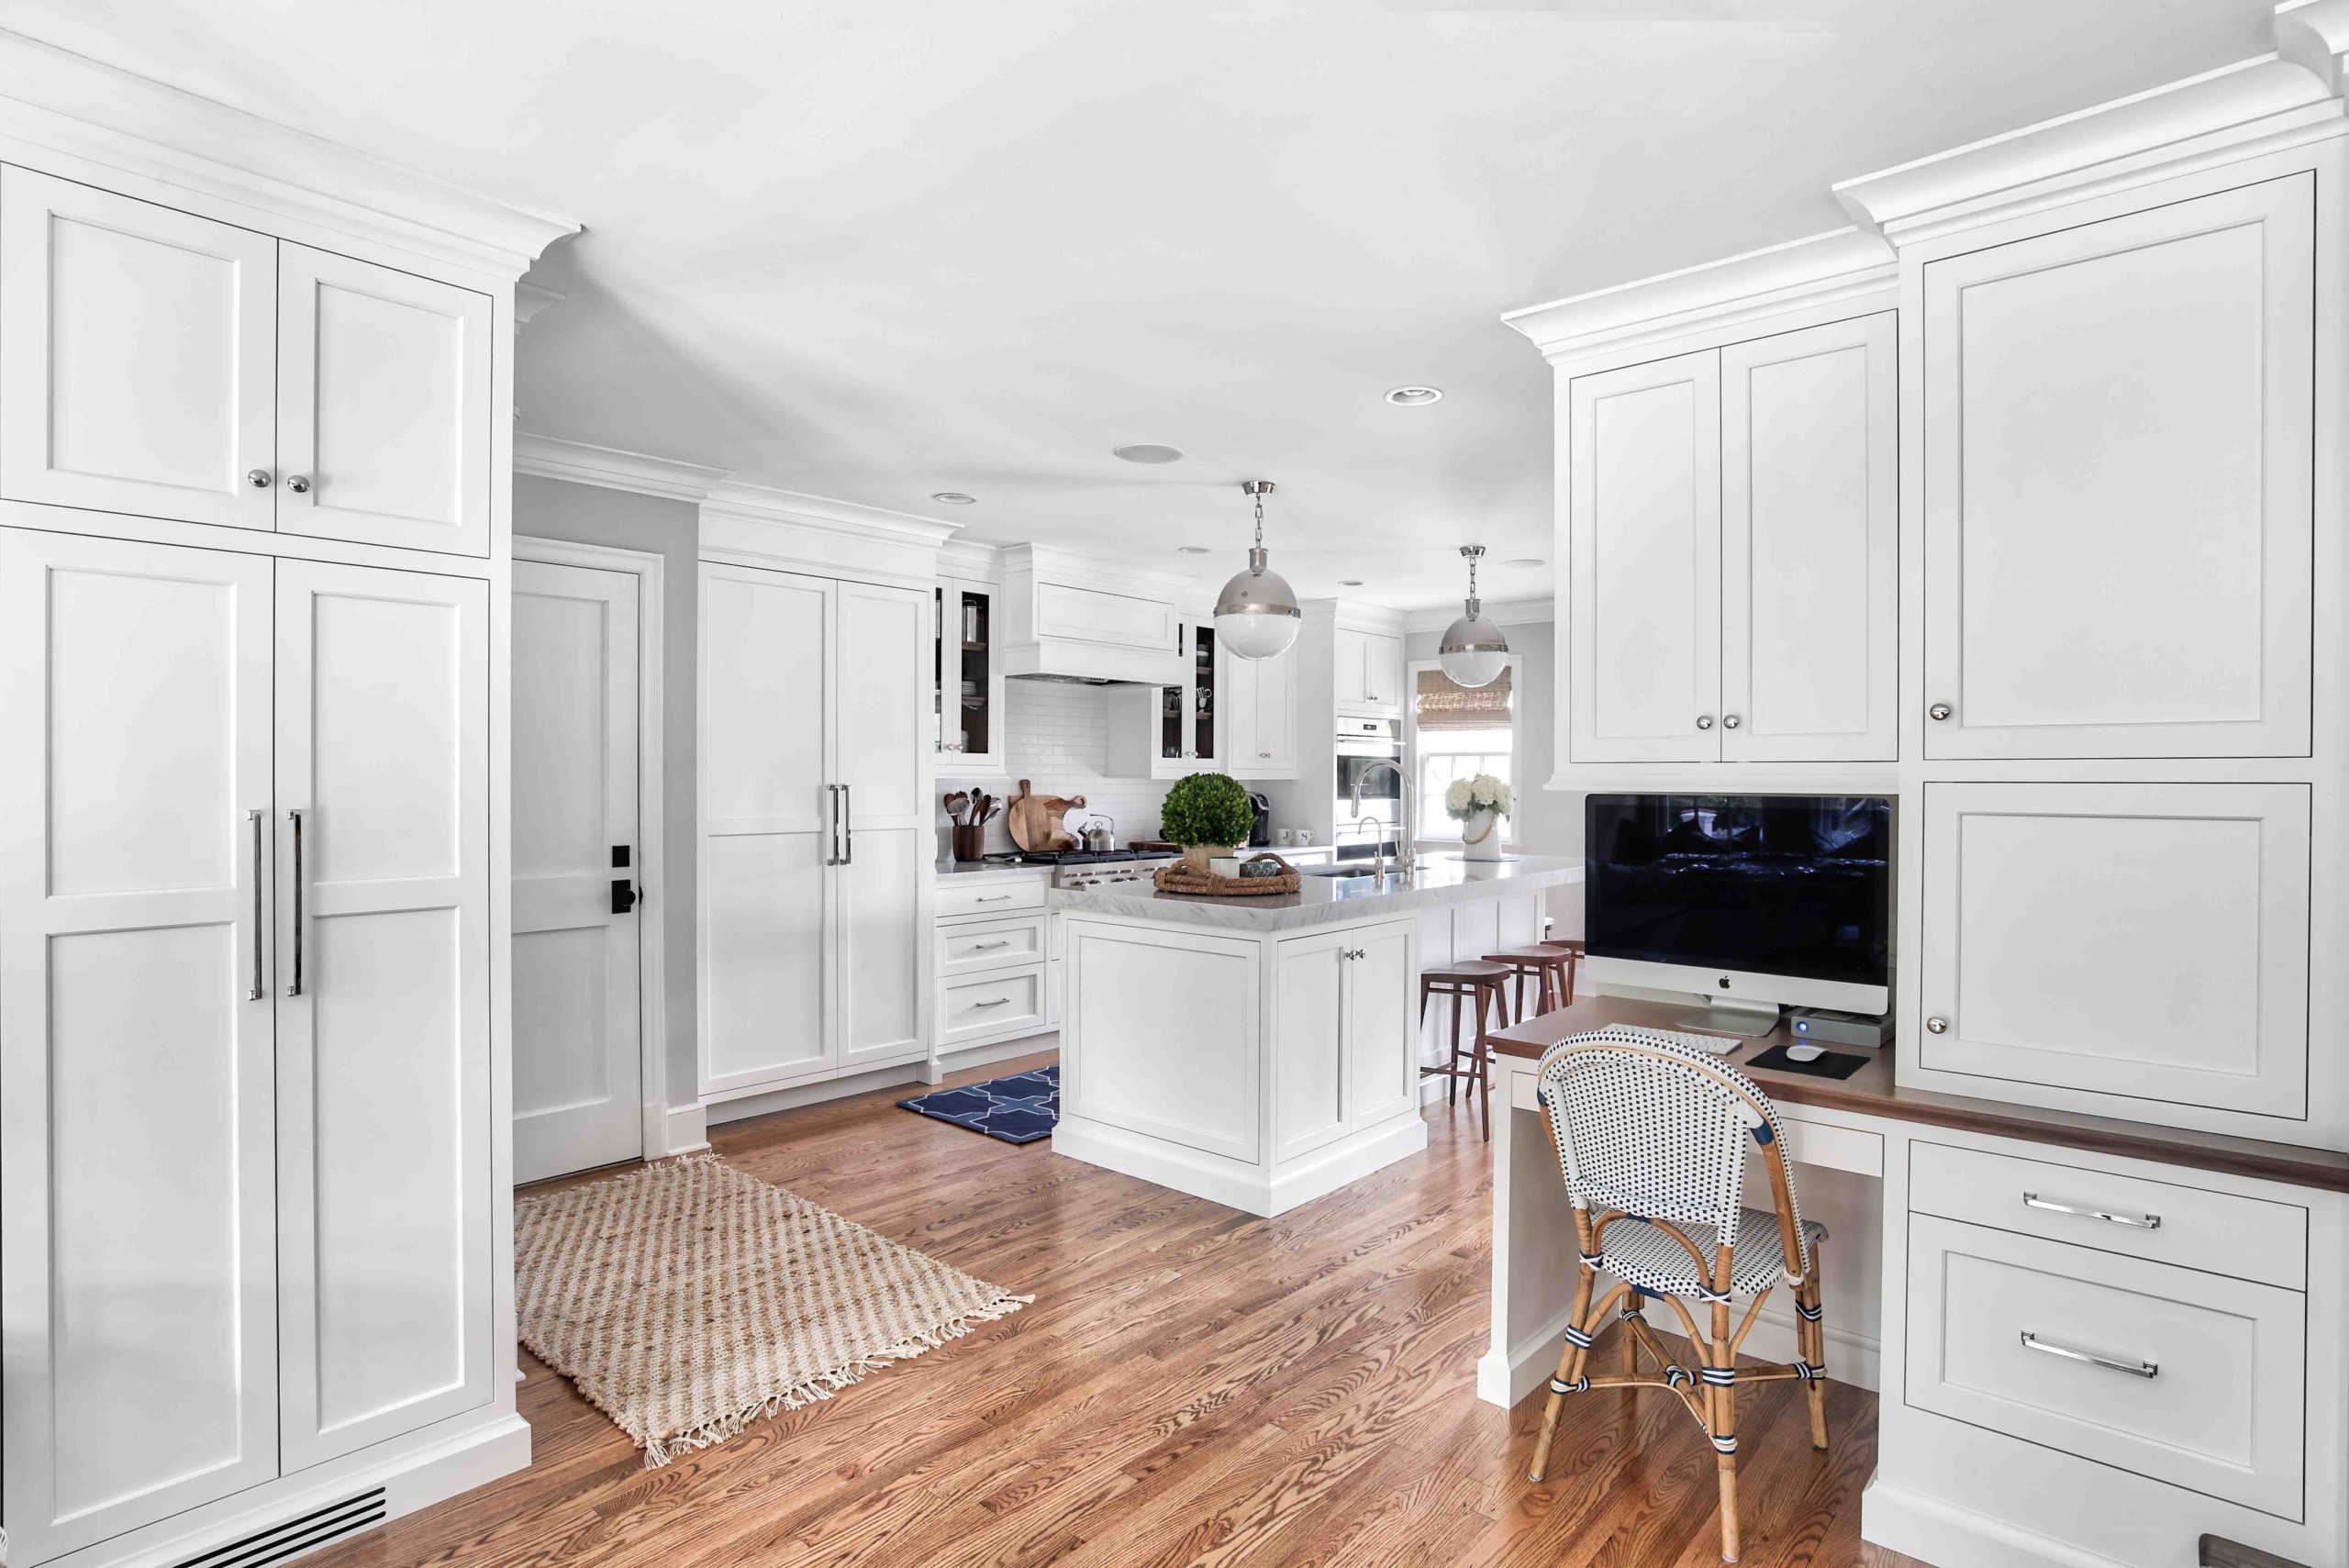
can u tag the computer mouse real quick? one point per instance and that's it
(1805, 1052)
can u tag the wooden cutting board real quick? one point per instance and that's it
(1035, 819)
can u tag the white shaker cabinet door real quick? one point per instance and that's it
(770, 827)
(137, 1251)
(385, 1249)
(1382, 1030)
(887, 840)
(1643, 532)
(384, 399)
(1810, 491)
(2146, 944)
(1309, 1056)
(138, 356)
(2119, 433)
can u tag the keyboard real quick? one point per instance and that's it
(1712, 1044)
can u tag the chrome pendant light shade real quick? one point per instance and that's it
(1473, 651)
(1256, 615)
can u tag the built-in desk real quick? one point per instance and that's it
(1955, 1219)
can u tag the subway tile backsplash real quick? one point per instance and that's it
(1057, 737)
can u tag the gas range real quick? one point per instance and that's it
(1090, 868)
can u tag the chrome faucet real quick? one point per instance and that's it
(1407, 858)
(1378, 843)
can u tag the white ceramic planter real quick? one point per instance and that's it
(1480, 837)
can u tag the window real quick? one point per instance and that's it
(1458, 732)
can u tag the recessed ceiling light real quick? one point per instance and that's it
(1526, 561)
(1148, 452)
(1190, 550)
(1349, 582)
(954, 498)
(1413, 397)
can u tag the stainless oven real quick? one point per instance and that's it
(1361, 743)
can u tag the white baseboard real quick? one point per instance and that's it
(685, 1130)
(998, 1051)
(718, 1112)
(1950, 1537)
(1251, 1189)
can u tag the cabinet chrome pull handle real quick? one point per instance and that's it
(999, 1002)
(258, 991)
(1731, 721)
(295, 987)
(258, 478)
(1703, 722)
(991, 897)
(1937, 1026)
(1939, 710)
(2134, 1221)
(987, 947)
(832, 793)
(2032, 1341)
(298, 483)
(848, 818)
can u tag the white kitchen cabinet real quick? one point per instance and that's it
(383, 939)
(969, 679)
(1344, 1033)
(1260, 708)
(138, 356)
(1809, 538)
(2119, 423)
(815, 830)
(1643, 532)
(2137, 949)
(1170, 731)
(383, 417)
(1368, 672)
(161, 365)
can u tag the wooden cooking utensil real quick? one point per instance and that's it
(956, 803)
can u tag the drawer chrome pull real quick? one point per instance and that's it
(2134, 1221)
(999, 1002)
(988, 947)
(992, 898)
(2032, 1341)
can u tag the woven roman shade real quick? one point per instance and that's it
(1445, 705)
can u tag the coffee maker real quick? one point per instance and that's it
(1261, 835)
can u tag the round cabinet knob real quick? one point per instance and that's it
(1731, 721)
(1703, 722)
(1939, 710)
(1937, 1026)
(258, 478)
(298, 483)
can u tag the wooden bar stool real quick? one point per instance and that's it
(1549, 968)
(1573, 947)
(1474, 983)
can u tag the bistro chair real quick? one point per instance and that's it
(1651, 1138)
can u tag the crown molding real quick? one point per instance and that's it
(2314, 36)
(82, 109)
(607, 468)
(1500, 612)
(1084, 569)
(528, 300)
(1841, 265)
(2229, 113)
(757, 503)
(969, 558)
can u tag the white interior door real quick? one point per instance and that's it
(2119, 422)
(384, 406)
(1644, 530)
(138, 356)
(384, 1251)
(1810, 495)
(137, 1305)
(770, 829)
(578, 1029)
(888, 841)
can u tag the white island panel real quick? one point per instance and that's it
(1159, 1036)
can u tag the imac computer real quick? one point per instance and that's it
(1753, 902)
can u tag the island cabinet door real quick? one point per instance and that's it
(1382, 1033)
(1309, 1002)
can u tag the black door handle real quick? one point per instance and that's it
(623, 896)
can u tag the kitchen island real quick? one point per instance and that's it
(1262, 1051)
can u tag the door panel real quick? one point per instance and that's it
(383, 1136)
(2118, 446)
(1382, 1069)
(1309, 1056)
(1810, 544)
(139, 365)
(2143, 942)
(383, 405)
(1645, 530)
(768, 827)
(578, 1044)
(888, 842)
(137, 1256)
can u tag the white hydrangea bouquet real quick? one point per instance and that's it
(1479, 804)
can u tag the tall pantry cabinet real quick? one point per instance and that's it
(253, 1098)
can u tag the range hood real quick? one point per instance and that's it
(1065, 618)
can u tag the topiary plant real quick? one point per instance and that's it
(1207, 811)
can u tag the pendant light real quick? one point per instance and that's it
(1256, 617)
(1473, 650)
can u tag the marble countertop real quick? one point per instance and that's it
(1328, 900)
(976, 868)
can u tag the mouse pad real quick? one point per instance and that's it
(1834, 1064)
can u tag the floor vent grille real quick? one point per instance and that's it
(296, 1536)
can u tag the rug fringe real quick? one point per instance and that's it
(660, 1450)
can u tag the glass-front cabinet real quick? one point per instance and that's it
(1166, 732)
(968, 683)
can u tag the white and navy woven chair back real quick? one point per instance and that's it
(1655, 1130)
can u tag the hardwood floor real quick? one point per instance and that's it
(1192, 1385)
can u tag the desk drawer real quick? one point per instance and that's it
(2190, 1226)
(988, 897)
(1006, 1002)
(2200, 1376)
(972, 946)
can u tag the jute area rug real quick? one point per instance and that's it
(688, 1299)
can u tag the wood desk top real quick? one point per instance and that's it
(1871, 1091)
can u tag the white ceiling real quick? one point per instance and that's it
(876, 249)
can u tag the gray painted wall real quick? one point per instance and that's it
(1549, 821)
(550, 508)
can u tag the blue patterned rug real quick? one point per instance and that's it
(1018, 1109)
